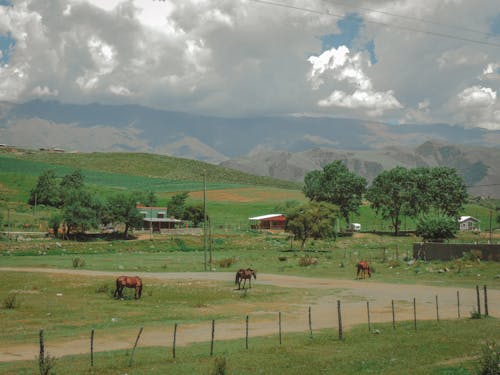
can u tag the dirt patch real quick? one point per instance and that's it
(246, 195)
(353, 295)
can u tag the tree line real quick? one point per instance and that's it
(433, 196)
(82, 208)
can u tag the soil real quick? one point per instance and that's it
(353, 294)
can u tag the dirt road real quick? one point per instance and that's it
(353, 295)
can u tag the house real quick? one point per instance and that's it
(270, 221)
(156, 218)
(467, 223)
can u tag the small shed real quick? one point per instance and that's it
(270, 221)
(468, 223)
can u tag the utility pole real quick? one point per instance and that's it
(491, 227)
(205, 219)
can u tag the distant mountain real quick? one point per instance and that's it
(282, 146)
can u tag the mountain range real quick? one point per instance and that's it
(285, 147)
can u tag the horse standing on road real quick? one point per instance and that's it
(363, 269)
(245, 274)
(129, 282)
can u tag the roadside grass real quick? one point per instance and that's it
(447, 347)
(70, 306)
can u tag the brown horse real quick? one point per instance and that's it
(363, 269)
(129, 282)
(245, 274)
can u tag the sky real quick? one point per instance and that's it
(395, 61)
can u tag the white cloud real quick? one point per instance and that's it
(339, 65)
(477, 96)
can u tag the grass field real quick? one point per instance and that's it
(444, 348)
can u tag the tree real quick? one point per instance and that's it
(390, 195)
(312, 220)
(81, 211)
(177, 203)
(336, 185)
(70, 183)
(447, 191)
(46, 190)
(55, 222)
(121, 208)
(193, 214)
(436, 227)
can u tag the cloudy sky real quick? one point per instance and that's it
(398, 61)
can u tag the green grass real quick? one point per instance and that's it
(337, 259)
(447, 347)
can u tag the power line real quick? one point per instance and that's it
(328, 13)
(422, 20)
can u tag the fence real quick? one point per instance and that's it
(445, 251)
(481, 308)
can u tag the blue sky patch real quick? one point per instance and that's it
(495, 25)
(7, 44)
(5, 2)
(349, 27)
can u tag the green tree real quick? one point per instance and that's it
(391, 195)
(194, 214)
(55, 222)
(81, 211)
(121, 208)
(70, 183)
(46, 190)
(447, 191)
(336, 185)
(436, 227)
(177, 205)
(312, 220)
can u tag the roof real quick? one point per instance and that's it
(269, 216)
(465, 218)
(162, 220)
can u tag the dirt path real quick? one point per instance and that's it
(352, 293)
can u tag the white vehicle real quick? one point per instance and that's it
(355, 227)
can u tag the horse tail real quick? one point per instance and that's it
(139, 294)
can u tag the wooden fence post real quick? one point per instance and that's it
(310, 324)
(478, 301)
(368, 312)
(415, 313)
(437, 309)
(393, 315)
(212, 340)
(486, 312)
(339, 313)
(175, 337)
(92, 348)
(279, 325)
(135, 346)
(41, 359)
(458, 304)
(246, 334)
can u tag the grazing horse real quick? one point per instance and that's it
(363, 269)
(129, 282)
(245, 275)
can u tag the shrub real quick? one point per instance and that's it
(11, 302)
(78, 262)
(46, 364)
(307, 260)
(227, 262)
(489, 363)
(436, 227)
(219, 366)
(103, 288)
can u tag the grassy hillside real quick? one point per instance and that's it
(111, 169)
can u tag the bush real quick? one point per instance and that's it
(78, 262)
(219, 366)
(307, 261)
(436, 227)
(489, 363)
(11, 302)
(46, 364)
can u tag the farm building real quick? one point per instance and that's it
(156, 218)
(270, 221)
(468, 223)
